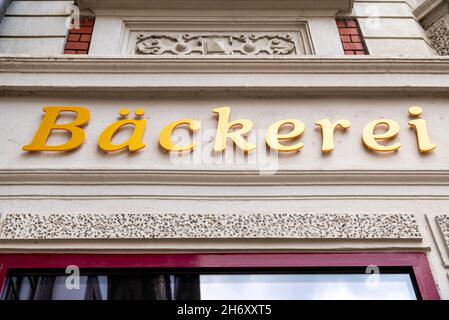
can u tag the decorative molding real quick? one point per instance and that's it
(223, 36)
(72, 74)
(223, 177)
(211, 226)
(231, 44)
(278, 65)
(434, 17)
(336, 5)
(430, 11)
(438, 35)
(214, 198)
(443, 226)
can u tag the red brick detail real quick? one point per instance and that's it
(351, 31)
(88, 21)
(77, 45)
(351, 24)
(351, 36)
(341, 24)
(73, 37)
(82, 30)
(347, 46)
(345, 39)
(85, 38)
(78, 39)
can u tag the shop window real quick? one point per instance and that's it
(241, 286)
(228, 277)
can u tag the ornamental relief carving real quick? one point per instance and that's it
(228, 44)
(438, 35)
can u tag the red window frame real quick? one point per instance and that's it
(417, 261)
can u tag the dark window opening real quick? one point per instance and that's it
(211, 284)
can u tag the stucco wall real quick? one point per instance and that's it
(344, 192)
(34, 27)
(349, 200)
(390, 28)
(39, 27)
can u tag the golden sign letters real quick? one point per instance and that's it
(235, 130)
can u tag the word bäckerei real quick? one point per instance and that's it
(235, 130)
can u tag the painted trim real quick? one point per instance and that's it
(336, 5)
(430, 10)
(72, 74)
(418, 261)
(222, 177)
(198, 65)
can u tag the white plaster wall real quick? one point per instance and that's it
(205, 187)
(34, 27)
(110, 32)
(415, 3)
(191, 194)
(348, 155)
(39, 27)
(390, 28)
(224, 203)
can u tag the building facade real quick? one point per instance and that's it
(224, 149)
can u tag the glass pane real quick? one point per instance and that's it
(306, 287)
(62, 292)
(135, 286)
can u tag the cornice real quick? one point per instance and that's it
(281, 65)
(337, 5)
(431, 10)
(147, 75)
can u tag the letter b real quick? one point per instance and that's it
(48, 124)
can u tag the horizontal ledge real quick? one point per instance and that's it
(222, 177)
(206, 13)
(102, 246)
(301, 75)
(143, 64)
(34, 197)
(93, 5)
(199, 90)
